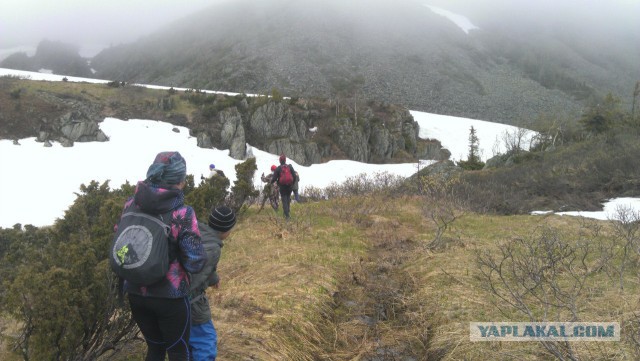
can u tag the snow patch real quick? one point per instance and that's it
(453, 134)
(612, 209)
(461, 21)
(67, 168)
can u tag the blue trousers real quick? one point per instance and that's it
(204, 342)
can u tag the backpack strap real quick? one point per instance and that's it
(166, 218)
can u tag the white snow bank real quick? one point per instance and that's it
(461, 21)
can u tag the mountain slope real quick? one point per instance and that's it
(400, 52)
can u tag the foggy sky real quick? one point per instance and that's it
(585, 14)
(88, 22)
(112, 22)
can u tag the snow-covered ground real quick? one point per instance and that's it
(45, 179)
(612, 209)
(453, 133)
(460, 20)
(38, 183)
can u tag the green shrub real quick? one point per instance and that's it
(63, 292)
(211, 192)
(57, 283)
(15, 93)
(276, 95)
(243, 191)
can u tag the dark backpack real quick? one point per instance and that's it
(286, 178)
(140, 250)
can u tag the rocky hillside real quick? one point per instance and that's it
(508, 70)
(54, 56)
(517, 64)
(307, 130)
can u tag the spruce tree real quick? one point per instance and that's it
(473, 161)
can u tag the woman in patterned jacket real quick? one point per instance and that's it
(162, 310)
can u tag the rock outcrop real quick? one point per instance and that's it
(79, 124)
(309, 132)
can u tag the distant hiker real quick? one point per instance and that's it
(270, 191)
(283, 175)
(213, 172)
(269, 177)
(162, 309)
(294, 188)
(204, 338)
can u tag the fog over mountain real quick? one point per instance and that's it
(26, 22)
(524, 59)
(23, 23)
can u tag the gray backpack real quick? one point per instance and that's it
(140, 250)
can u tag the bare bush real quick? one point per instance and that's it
(312, 193)
(626, 227)
(541, 277)
(357, 209)
(444, 202)
(364, 184)
(513, 141)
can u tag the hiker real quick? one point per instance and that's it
(283, 175)
(294, 188)
(162, 309)
(267, 179)
(269, 191)
(213, 172)
(203, 340)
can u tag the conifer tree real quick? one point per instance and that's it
(243, 190)
(473, 161)
(603, 115)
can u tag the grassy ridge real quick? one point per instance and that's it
(324, 288)
(360, 278)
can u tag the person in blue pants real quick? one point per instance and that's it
(204, 338)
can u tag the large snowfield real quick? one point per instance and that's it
(39, 183)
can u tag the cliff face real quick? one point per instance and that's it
(309, 131)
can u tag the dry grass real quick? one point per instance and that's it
(276, 278)
(316, 288)
(452, 286)
(8, 331)
(369, 288)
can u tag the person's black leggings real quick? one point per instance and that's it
(165, 324)
(285, 194)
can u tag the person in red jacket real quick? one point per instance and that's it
(284, 178)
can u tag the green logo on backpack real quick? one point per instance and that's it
(121, 253)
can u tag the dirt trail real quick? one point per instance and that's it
(373, 315)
